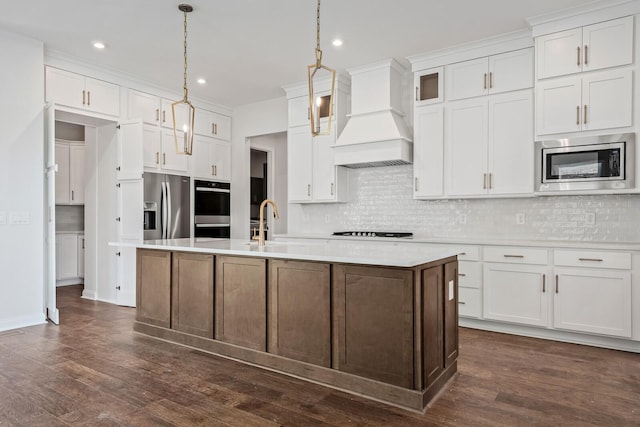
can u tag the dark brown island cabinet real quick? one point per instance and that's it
(389, 333)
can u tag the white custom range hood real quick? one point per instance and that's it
(375, 133)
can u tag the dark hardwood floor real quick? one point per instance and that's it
(94, 370)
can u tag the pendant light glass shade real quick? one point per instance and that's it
(320, 101)
(183, 112)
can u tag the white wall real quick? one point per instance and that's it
(22, 178)
(251, 120)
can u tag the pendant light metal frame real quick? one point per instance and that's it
(315, 79)
(186, 139)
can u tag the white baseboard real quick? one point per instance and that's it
(22, 322)
(69, 282)
(87, 294)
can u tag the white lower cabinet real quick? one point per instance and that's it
(81, 256)
(469, 302)
(516, 293)
(69, 256)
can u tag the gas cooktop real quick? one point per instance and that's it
(405, 235)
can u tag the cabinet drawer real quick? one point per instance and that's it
(596, 259)
(469, 253)
(470, 274)
(515, 255)
(469, 302)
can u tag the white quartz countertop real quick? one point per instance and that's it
(573, 244)
(344, 252)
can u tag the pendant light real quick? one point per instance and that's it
(320, 103)
(183, 111)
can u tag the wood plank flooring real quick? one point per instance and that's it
(94, 370)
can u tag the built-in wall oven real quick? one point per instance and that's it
(212, 209)
(586, 163)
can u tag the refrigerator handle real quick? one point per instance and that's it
(169, 207)
(164, 210)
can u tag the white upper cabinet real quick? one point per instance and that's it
(70, 179)
(159, 151)
(208, 123)
(145, 106)
(211, 159)
(494, 74)
(299, 153)
(600, 100)
(77, 91)
(428, 152)
(429, 86)
(594, 47)
(299, 111)
(489, 145)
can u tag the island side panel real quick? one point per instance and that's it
(241, 301)
(432, 324)
(153, 287)
(192, 294)
(373, 323)
(300, 311)
(450, 313)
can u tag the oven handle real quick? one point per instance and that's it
(212, 225)
(213, 190)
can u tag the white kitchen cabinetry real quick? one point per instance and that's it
(211, 159)
(594, 47)
(516, 285)
(312, 175)
(77, 91)
(428, 152)
(470, 283)
(208, 123)
(494, 74)
(70, 180)
(69, 258)
(159, 151)
(299, 111)
(595, 101)
(429, 86)
(593, 292)
(489, 145)
(151, 109)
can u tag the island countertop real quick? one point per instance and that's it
(389, 255)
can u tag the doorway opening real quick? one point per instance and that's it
(268, 180)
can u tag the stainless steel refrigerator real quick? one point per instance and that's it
(166, 206)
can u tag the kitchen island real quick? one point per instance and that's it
(380, 321)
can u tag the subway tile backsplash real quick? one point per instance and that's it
(381, 199)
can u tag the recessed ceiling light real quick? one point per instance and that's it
(99, 45)
(337, 42)
(201, 81)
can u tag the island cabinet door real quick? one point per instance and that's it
(241, 301)
(299, 311)
(192, 294)
(432, 323)
(153, 287)
(450, 296)
(373, 323)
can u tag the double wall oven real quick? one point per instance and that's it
(212, 209)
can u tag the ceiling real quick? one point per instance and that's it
(248, 49)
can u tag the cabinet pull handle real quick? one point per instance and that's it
(490, 79)
(332, 188)
(513, 256)
(215, 170)
(591, 259)
(157, 157)
(71, 194)
(586, 57)
(462, 275)
(89, 97)
(578, 56)
(164, 116)
(461, 302)
(485, 81)
(490, 181)
(215, 126)
(544, 283)
(84, 97)
(157, 114)
(417, 96)
(577, 114)
(584, 119)
(164, 158)
(556, 283)
(212, 170)
(462, 253)
(308, 189)
(212, 131)
(484, 183)
(415, 185)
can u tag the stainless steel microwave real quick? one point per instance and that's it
(586, 163)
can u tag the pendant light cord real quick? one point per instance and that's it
(318, 50)
(186, 90)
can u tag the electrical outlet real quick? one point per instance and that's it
(590, 218)
(520, 218)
